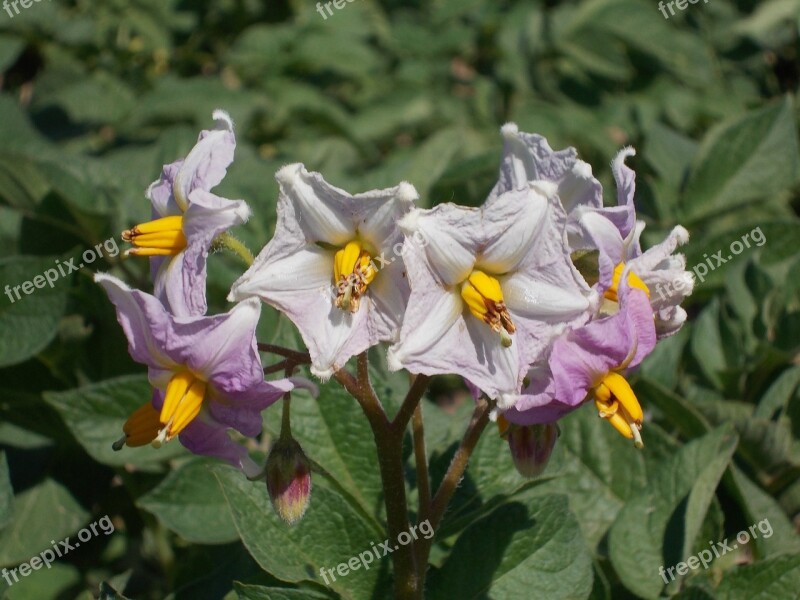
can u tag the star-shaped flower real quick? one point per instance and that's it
(490, 288)
(206, 372)
(346, 245)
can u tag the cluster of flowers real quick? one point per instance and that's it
(492, 293)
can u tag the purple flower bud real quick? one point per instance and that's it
(288, 480)
(531, 447)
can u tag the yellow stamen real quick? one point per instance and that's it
(182, 403)
(633, 281)
(616, 402)
(141, 428)
(353, 271)
(160, 237)
(484, 298)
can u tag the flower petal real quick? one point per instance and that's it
(206, 164)
(321, 210)
(143, 319)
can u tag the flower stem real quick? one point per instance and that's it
(389, 443)
(480, 418)
(421, 459)
(228, 242)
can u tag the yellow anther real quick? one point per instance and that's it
(484, 298)
(182, 403)
(616, 402)
(160, 237)
(353, 271)
(633, 281)
(141, 428)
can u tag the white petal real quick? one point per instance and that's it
(320, 208)
(537, 299)
(447, 233)
(511, 225)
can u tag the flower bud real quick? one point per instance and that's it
(288, 480)
(531, 446)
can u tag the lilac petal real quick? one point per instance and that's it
(606, 238)
(184, 285)
(206, 164)
(635, 306)
(160, 192)
(143, 319)
(206, 437)
(242, 409)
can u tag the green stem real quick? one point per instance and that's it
(421, 459)
(228, 242)
(480, 418)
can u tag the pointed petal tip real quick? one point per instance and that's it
(681, 234)
(288, 173)
(509, 130)
(393, 361)
(407, 193)
(222, 117)
(324, 374)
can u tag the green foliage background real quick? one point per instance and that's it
(97, 94)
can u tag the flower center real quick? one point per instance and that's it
(161, 237)
(182, 403)
(140, 429)
(484, 298)
(633, 281)
(616, 402)
(353, 271)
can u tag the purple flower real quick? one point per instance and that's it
(334, 266)
(206, 372)
(490, 288)
(653, 270)
(590, 360)
(186, 219)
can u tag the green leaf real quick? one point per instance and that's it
(658, 526)
(331, 532)
(777, 577)
(760, 507)
(257, 592)
(44, 584)
(753, 157)
(30, 322)
(777, 397)
(96, 413)
(30, 533)
(520, 547)
(190, 503)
